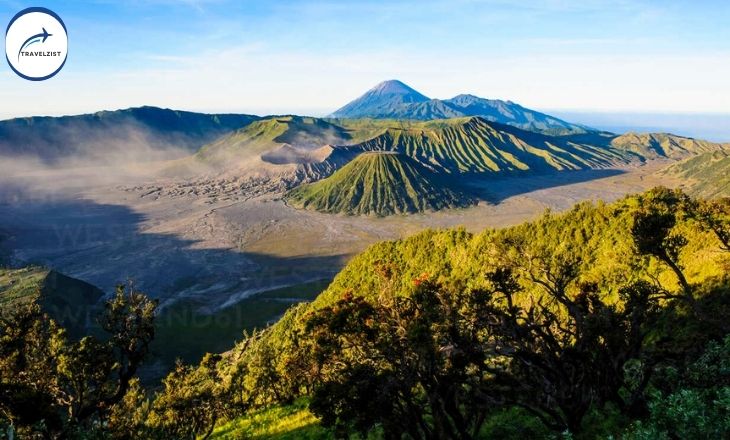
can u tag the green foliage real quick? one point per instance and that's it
(413, 366)
(192, 401)
(56, 388)
(653, 226)
(129, 419)
(379, 184)
(584, 278)
(514, 423)
(699, 408)
(715, 216)
(595, 323)
(433, 364)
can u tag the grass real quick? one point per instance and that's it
(288, 422)
(458, 145)
(19, 286)
(663, 145)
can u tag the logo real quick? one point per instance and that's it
(36, 44)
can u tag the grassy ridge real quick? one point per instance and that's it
(318, 148)
(55, 138)
(20, 286)
(708, 174)
(474, 145)
(71, 302)
(379, 184)
(459, 145)
(652, 145)
(267, 135)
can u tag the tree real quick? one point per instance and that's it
(654, 234)
(30, 346)
(52, 386)
(698, 407)
(413, 365)
(192, 401)
(434, 364)
(128, 419)
(653, 231)
(715, 216)
(567, 352)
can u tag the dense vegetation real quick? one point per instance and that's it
(379, 184)
(606, 321)
(55, 387)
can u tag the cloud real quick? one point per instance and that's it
(312, 57)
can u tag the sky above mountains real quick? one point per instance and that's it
(313, 56)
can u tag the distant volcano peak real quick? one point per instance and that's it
(393, 99)
(396, 87)
(384, 98)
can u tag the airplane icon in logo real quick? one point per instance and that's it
(35, 39)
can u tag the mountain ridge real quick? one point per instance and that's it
(403, 102)
(72, 302)
(379, 183)
(473, 145)
(51, 138)
(707, 175)
(468, 145)
(666, 145)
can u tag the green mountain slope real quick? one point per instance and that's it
(395, 100)
(595, 235)
(475, 145)
(599, 234)
(654, 145)
(379, 184)
(315, 148)
(69, 301)
(708, 175)
(54, 138)
(280, 139)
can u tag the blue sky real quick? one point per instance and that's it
(313, 56)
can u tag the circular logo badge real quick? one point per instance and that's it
(36, 44)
